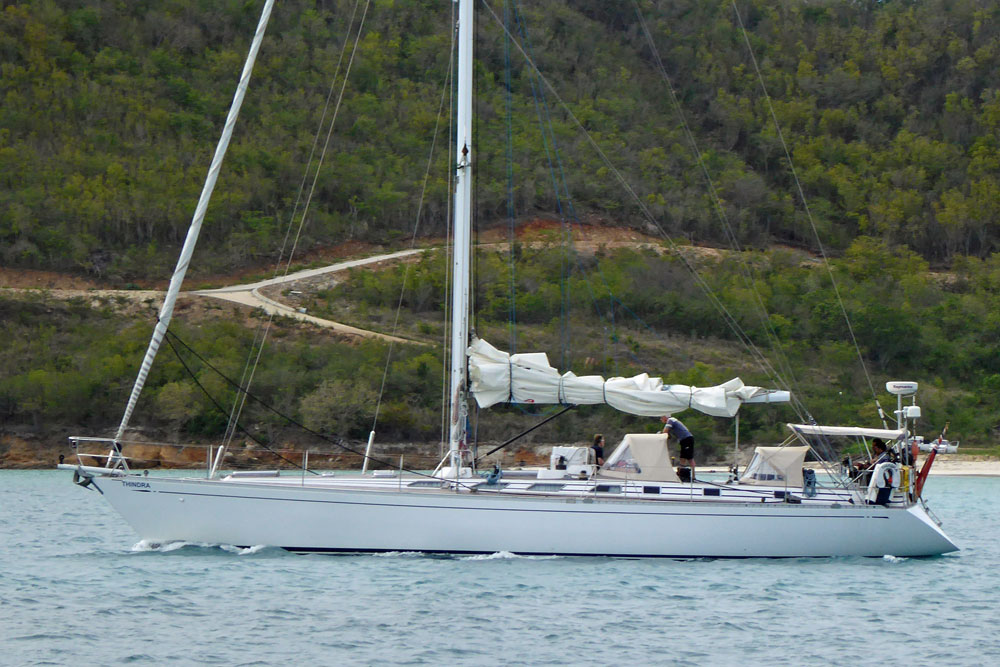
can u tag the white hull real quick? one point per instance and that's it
(325, 518)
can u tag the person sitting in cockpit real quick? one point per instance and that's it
(880, 454)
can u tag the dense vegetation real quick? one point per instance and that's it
(627, 311)
(67, 363)
(109, 111)
(63, 366)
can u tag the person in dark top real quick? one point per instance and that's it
(675, 427)
(598, 448)
(880, 454)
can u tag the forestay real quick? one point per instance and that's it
(498, 377)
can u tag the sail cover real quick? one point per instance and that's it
(641, 456)
(775, 466)
(498, 377)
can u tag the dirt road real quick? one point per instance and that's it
(251, 295)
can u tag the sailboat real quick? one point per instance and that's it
(634, 504)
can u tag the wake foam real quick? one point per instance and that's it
(166, 547)
(506, 555)
(398, 554)
(149, 545)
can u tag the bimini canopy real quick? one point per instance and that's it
(497, 377)
(641, 456)
(848, 431)
(775, 466)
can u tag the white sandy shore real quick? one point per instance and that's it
(950, 464)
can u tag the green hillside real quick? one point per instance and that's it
(890, 110)
(109, 113)
(617, 312)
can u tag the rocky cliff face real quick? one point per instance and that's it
(20, 453)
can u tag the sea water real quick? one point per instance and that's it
(76, 588)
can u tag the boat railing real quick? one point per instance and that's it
(141, 454)
(113, 459)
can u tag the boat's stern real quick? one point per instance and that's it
(934, 538)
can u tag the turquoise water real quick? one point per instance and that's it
(76, 589)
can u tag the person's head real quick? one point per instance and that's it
(878, 445)
(598, 439)
(665, 418)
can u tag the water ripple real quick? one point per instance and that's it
(72, 586)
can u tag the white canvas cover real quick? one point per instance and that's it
(775, 466)
(858, 431)
(641, 456)
(498, 377)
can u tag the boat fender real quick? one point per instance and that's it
(82, 480)
(809, 483)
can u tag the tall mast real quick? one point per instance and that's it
(462, 235)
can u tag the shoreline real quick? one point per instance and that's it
(944, 466)
(20, 453)
(963, 466)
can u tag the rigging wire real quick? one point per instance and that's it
(559, 187)
(260, 335)
(509, 155)
(413, 239)
(746, 267)
(808, 212)
(727, 316)
(549, 146)
(560, 191)
(339, 442)
(170, 336)
(448, 249)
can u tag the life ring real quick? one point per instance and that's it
(885, 476)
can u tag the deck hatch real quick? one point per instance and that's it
(546, 487)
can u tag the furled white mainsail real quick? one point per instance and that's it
(498, 377)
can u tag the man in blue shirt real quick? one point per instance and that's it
(675, 427)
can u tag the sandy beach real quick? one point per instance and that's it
(953, 464)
